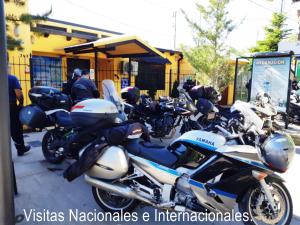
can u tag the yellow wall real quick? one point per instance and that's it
(53, 46)
(231, 84)
(20, 58)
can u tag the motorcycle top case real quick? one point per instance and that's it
(93, 111)
(49, 98)
(34, 117)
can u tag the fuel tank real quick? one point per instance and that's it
(203, 139)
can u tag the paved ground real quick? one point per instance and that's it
(42, 188)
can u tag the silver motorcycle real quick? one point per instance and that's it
(198, 172)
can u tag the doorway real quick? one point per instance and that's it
(77, 63)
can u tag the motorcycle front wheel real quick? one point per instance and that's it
(259, 211)
(49, 148)
(110, 202)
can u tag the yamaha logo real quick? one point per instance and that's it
(206, 141)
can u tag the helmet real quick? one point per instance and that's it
(130, 95)
(76, 73)
(188, 85)
(212, 94)
(278, 151)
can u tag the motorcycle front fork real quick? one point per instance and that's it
(260, 176)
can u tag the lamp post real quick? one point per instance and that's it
(7, 211)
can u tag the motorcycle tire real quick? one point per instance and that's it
(113, 203)
(50, 154)
(246, 204)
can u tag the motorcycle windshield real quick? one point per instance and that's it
(251, 118)
(110, 94)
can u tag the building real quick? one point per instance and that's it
(50, 56)
(43, 61)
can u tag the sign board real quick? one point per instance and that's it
(271, 75)
(298, 70)
(124, 82)
(92, 74)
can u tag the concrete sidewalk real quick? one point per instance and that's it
(42, 187)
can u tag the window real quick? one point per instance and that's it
(46, 71)
(150, 75)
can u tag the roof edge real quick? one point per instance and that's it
(83, 26)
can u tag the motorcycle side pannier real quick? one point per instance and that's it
(34, 117)
(48, 98)
(93, 111)
(112, 164)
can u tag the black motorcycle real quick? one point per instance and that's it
(162, 117)
(50, 110)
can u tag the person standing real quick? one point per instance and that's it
(16, 101)
(67, 87)
(84, 88)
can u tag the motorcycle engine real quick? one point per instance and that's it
(184, 194)
(162, 126)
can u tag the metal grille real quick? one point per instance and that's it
(53, 71)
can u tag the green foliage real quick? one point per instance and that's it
(25, 18)
(211, 56)
(274, 33)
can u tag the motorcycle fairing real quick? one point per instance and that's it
(215, 142)
(203, 139)
(161, 173)
(245, 153)
(223, 202)
(226, 176)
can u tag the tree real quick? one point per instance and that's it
(25, 18)
(274, 33)
(211, 56)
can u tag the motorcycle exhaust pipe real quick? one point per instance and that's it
(118, 189)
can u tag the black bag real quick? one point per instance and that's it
(85, 162)
(118, 134)
(48, 98)
(34, 117)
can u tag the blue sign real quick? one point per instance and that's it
(271, 76)
(124, 82)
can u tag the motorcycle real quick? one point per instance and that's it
(50, 110)
(198, 172)
(160, 117)
(294, 108)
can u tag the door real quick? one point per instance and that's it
(77, 63)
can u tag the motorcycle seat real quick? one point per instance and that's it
(152, 152)
(64, 119)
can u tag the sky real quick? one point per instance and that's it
(153, 20)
